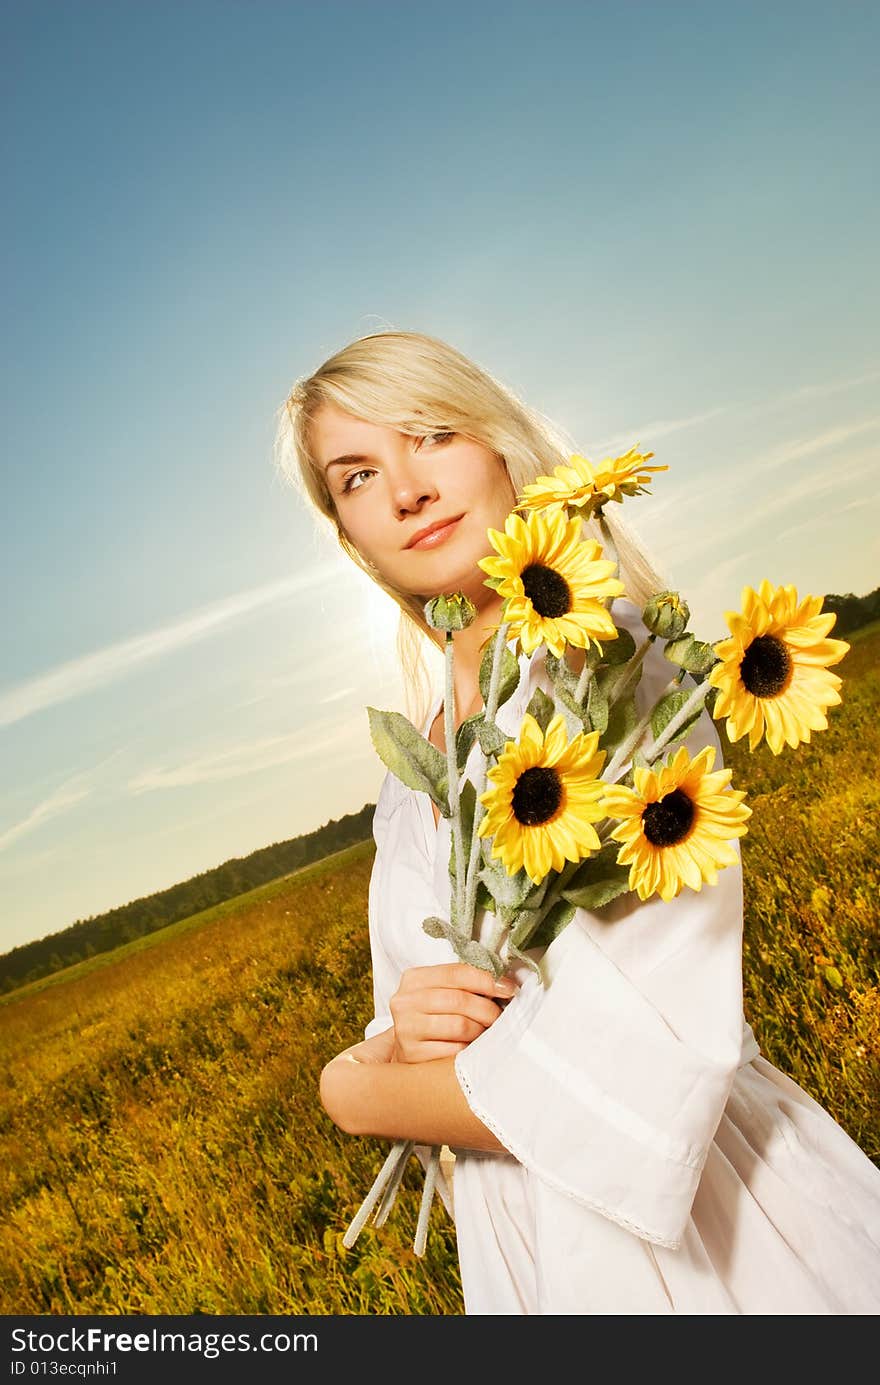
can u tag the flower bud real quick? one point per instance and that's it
(666, 615)
(450, 612)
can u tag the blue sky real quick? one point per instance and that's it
(656, 222)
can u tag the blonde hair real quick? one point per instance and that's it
(418, 384)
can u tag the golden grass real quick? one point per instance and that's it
(162, 1149)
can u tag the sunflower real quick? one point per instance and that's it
(585, 487)
(676, 825)
(545, 794)
(773, 676)
(553, 582)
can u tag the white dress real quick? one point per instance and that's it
(658, 1164)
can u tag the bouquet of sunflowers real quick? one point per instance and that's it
(587, 803)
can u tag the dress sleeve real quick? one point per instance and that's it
(386, 972)
(386, 975)
(608, 1082)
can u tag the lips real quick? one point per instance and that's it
(434, 533)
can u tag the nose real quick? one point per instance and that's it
(411, 487)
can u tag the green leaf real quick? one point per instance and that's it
(413, 759)
(465, 737)
(509, 680)
(483, 899)
(600, 891)
(552, 924)
(492, 739)
(597, 880)
(562, 676)
(514, 952)
(668, 707)
(436, 928)
(618, 651)
(509, 891)
(541, 708)
(565, 683)
(524, 925)
(691, 654)
(611, 680)
(702, 658)
(467, 802)
(577, 709)
(466, 949)
(469, 950)
(597, 707)
(621, 721)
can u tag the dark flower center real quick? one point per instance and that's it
(669, 819)
(537, 795)
(548, 592)
(766, 667)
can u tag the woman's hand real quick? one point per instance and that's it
(438, 1011)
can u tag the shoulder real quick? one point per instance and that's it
(392, 795)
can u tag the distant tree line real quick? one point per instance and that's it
(852, 611)
(103, 932)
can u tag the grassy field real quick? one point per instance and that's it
(162, 1149)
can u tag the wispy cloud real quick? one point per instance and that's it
(336, 696)
(732, 523)
(648, 433)
(61, 801)
(798, 448)
(96, 670)
(685, 515)
(322, 667)
(822, 391)
(252, 757)
(645, 435)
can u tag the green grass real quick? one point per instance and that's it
(162, 1148)
(338, 860)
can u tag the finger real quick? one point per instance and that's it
(459, 1029)
(460, 976)
(414, 1008)
(425, 1052)
(448, 1002)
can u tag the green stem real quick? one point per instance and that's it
(629, 675)
(498, 649)
(391, 1189)
(555, 891)
(386, 1172)
(427, 1199)
(613, 770)
(452, 775)
(497, 937)
(584, 680)
(609, 547)
(696, 699)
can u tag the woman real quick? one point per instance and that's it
(621, 1146)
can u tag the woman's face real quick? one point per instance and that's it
(389, 486)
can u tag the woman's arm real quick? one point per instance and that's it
(401, 1084)
(402, 1101)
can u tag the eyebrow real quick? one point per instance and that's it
(345, 461)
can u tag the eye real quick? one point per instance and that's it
(348, 483)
